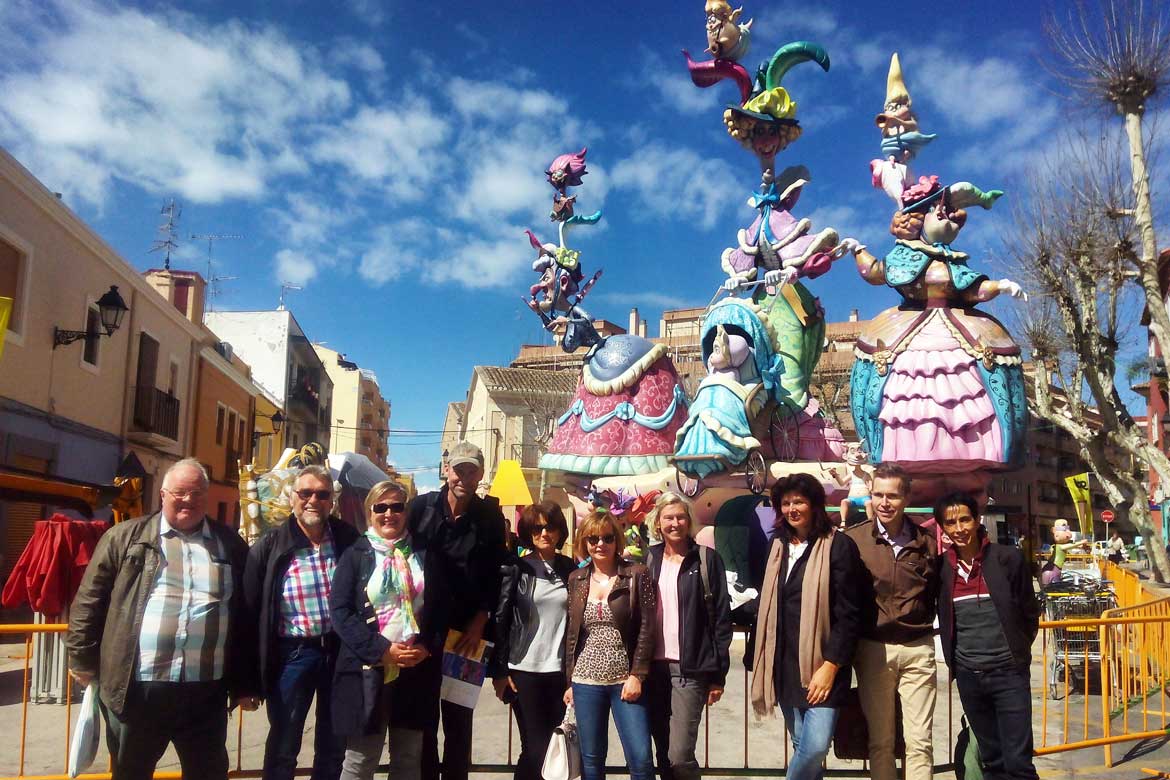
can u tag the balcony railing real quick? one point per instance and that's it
(156, 412)
(527, 454)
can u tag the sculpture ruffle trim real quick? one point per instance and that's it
(605, 465)
(624, 380)
(725, 434)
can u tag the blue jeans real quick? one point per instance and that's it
(592, 704)
(305, 670)
(998, 705)
(811, 729)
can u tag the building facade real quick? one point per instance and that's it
(285, 366)
(361, 415)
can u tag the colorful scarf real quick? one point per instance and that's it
(393, 589)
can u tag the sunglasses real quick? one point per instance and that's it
(394, 508)
(537, 530)
(322, 495)
(596, 540)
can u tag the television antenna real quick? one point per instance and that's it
(168, 238)
(285, 287)
(212, 280)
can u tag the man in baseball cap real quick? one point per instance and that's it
(467, 534)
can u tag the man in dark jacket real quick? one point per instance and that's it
(286, 584)
(895, 651)
(159, 623)
(467, 534)
(988, 616)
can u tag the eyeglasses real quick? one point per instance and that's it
(537, 530)
(393, 507)
(596, 540)
(184, 495)
(322, 495)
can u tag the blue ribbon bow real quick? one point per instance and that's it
(765, 200)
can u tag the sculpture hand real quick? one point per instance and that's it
(1013, 289)
(734, 283)
(846, 246)
(781, 276)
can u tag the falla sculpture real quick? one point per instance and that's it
(937, 384)
(762, 342)
(629, 401)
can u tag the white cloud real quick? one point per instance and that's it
(397, 148)
(393, 252)
(308, 219)
(678, 183)
(295, 267)
(484, 261)
(499, 101)
(164, 102)
(648, 300)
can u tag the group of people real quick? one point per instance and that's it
(177, 620)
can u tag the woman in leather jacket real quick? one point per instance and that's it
(527, 666)
(608, 647)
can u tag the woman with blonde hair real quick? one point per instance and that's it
(693, 619)
(608, 646)
(387, 603)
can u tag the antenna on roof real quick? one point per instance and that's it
(284, 287)
(212, 280)
(168, 238)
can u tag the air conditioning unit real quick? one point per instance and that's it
(224, 349)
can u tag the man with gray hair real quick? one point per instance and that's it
(286, 585)
(160, 625)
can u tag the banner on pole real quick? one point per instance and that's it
(5, 313)
(1078, 488)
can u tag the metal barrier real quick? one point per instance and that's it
(1102, 681)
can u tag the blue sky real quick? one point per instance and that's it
(388, 156)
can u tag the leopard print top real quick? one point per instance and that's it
(603, 659)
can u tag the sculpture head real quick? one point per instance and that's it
(855, 454)
(566, 170)
(1061, 533)
(724, 34)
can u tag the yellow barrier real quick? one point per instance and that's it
(1102, 680)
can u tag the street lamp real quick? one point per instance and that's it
(111, 309)
(277, 420)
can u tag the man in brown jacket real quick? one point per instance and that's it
(895, 654)
(159, 624)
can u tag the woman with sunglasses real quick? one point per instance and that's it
(693, 624)
(527, 663)
(386, 605)
(608, 646)
(807, 622)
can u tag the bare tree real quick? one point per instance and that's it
(1075, 243)
(1086, 238)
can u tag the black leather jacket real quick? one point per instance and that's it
(515, 620)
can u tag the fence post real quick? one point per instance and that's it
(1103, 635)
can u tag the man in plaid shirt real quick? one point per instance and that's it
(286, 586)
(160, 626)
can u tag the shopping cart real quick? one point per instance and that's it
(1076, 650)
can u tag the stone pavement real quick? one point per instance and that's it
(722, 739)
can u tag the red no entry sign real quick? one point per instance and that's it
(1106, 515)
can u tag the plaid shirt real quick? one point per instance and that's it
(185, 624)
(304, 596)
